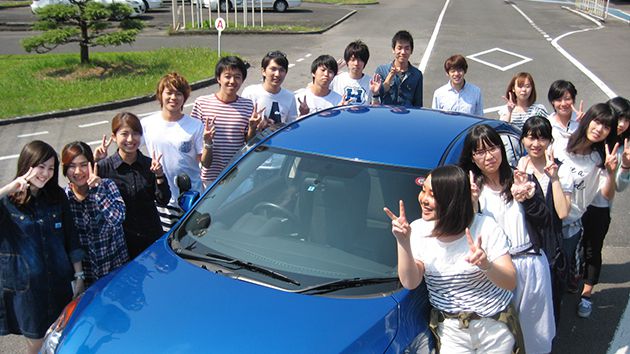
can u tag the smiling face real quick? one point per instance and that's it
(230, 82)
(563, 105)
(427, 201)
(622, 125)
(172, 100)
(78, 171)
(488, 158)
(456, 76)
(274, 75)
(597, 131)
(127, 139)
(43, 173)
(402, 51)
(535, 146)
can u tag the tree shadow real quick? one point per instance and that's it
(100, 69)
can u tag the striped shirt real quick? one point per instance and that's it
(231, 126)
(99, 223)
(455, 285)
(518, 118)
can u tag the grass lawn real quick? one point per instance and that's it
(18, 3)
(49, 82)
(343, 2)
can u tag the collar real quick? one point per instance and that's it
(141, 160)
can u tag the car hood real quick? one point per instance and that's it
(160, 303)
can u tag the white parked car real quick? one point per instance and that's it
(277, 5)
(152, 4)
(137, 6)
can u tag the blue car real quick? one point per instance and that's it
(289, 251)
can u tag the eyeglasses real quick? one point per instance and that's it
(482, 152)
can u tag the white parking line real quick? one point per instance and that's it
(523, 60)
(493, 109)
(291, 65)
(8, 157)
(93, 124)
(299, 60)
(95, 142)
(436, 30)
(32, 134)
(308, 55)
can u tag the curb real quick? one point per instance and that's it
(100, 107)
(320, 31)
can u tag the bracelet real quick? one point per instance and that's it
(625, 167)
(160, 177)
(207, 146)
(79, 275)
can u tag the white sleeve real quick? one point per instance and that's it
(494, 241)
(566, 179)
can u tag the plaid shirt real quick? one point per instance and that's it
(98, 220)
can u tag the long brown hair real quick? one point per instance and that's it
(32, 155)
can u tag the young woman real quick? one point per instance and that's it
(518, 206)
(464, 260)
(98, 211)
(140, 180)
(520, 98)
(564, 119)
(596, 219)
(39, 248)
(557, 185)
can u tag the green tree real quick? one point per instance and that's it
(83, 21)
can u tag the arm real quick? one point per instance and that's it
(110, 202)
(561, 200)
(622, 178)
(410, 271)
(611, 164)
(417, 96)
(162, 191)
(502, 273)
(73, 248)
(536, 210)
(479, 105)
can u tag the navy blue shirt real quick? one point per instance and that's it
(405, 90)
(38, 245)
(141, 192)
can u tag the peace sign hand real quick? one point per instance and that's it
(101, 151)
(612, 162)
(400, 226)
(551, 168)
(21, 183)
(579, 114)
(522, 189)
(510, 101)
(93, 179)
(474, 188)
(257, 121)
(156, 166)
(304, 109)
(208, 131)
(477, 255)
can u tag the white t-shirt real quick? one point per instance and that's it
(180, 144)
(357, 92)
(564, 176)
(455, 285)
(279, 106)
(317, 103)
(588, 179)
(510, 216)
(561, 134)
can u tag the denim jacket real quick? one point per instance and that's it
(38, 245)
(406, 92)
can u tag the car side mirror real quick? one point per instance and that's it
(187, 199)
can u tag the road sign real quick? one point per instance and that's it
(219, 25)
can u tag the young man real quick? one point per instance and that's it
(318, 95)
(177, 137)
(402, 83)
(233, 119)
(458, 95)
(279, 103)
(355, 86)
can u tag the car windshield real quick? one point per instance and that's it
(311, 218)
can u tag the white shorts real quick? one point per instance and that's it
(485, 335)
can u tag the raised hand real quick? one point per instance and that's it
(156, 166)
(101, 151)
(304, 109)
(93, 179)
(611, 162)
(522, 189)
(579, 114)
(625, 155)
(21, 183)
(208, 130)
(477, 255)
(341, 64)
(375, 84)
(258, 121)
(551, 168)
(400, 226)
(474, 189)
(510, 101)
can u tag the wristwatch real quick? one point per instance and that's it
(79, 275)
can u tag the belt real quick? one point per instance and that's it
(464, 317)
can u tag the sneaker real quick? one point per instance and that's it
(585, 307)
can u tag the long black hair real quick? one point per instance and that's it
(603, 114)
(484, 135)
(32, 155)
(621, 108)
(537, 127)
(453, 203)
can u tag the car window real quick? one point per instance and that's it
(513, 148)
(313, 217)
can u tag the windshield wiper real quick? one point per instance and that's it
(216, 257)
(344, 284)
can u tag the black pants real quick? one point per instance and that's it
(595, 222)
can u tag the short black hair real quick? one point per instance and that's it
(453, 202)
(230, 62)
(402, 36)
(326, 61)
(357, 49)
(538, 127)
(279, 57)
(621, 108)
(558, 88)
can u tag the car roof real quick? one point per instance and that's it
(417, 138)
